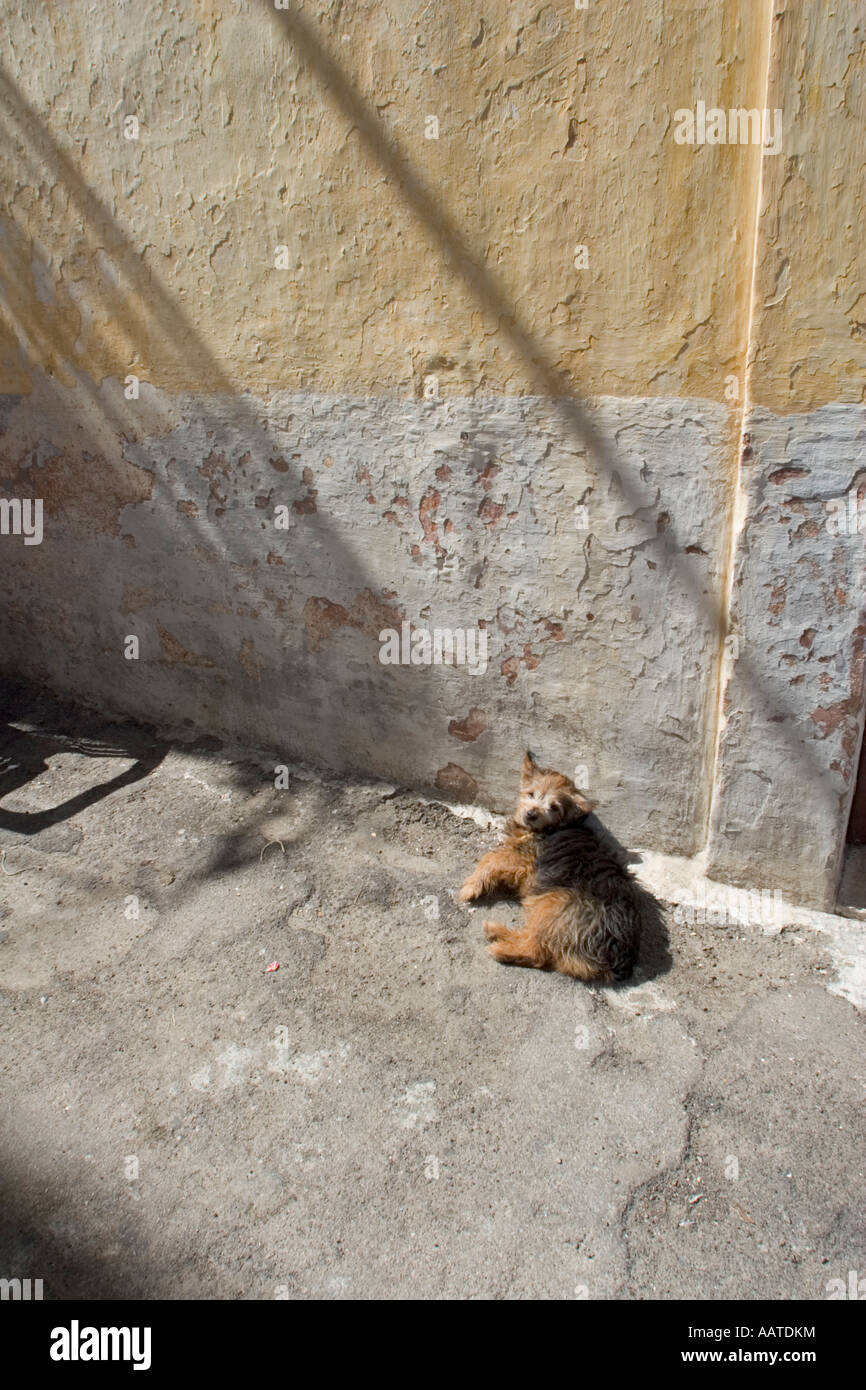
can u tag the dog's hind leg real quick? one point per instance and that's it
(514, 947)
(554, 920)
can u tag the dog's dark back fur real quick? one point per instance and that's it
(571, 856)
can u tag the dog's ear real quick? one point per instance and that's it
(583, 803)
(529, 765)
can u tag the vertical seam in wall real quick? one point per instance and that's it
(737, 512)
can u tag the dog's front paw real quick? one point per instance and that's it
(471, 890)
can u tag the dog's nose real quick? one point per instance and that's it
(532, 815)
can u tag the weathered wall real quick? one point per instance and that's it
(592, 547)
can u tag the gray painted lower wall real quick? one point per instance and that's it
(597, 589)
(597, 593)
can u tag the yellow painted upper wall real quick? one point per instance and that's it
(156, 255)
(809, 329)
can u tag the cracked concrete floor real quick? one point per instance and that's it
(391, 1113)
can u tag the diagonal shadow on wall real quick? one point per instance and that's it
(394, 685)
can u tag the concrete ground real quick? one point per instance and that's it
(391, 1113)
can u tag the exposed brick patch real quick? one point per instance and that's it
(369, 613)
(829, 718)
(457, 782)
(175, 654)
(134, 600)
(487, 475)
(490, 512)
(778, 596)
(510, 669)
(428, 505)
(216, 466)
(89, 487)
(470, 728)
(249, 660)
(783, 475)
(306, 506)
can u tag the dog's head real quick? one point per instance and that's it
(548, 799)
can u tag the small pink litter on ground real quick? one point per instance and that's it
(274, 965)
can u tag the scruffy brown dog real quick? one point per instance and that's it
(582, 909)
